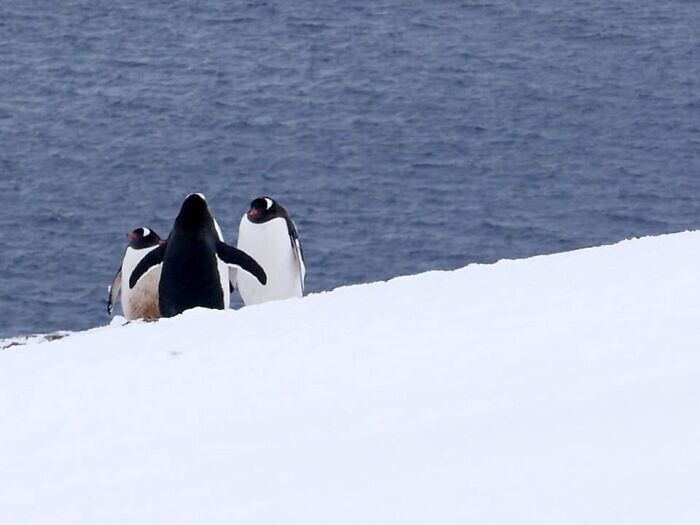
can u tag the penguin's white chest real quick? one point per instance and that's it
(224, 280)
(269, 244)
(223, 270)
(142, 300)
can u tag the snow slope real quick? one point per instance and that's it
(558, 389)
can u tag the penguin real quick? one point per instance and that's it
(269, 234)
(194, 261)
(141, 301)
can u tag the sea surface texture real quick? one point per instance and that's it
(402, 136)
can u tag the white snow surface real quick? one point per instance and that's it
(561, 389)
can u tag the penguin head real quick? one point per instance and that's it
(143, 237)
(263, 209)
(194, 213)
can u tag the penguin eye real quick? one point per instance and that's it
(268, 203)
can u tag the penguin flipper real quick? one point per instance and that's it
(240, 259)
(150, 261)
(114, 290)
(297, 250)
(299, 256)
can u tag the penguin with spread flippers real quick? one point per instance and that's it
(268, 234)
(194, 261)
(140, 301)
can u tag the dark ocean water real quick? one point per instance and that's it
(402, 136)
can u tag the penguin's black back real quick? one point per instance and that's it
(190, 275)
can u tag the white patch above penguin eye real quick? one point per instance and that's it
(268, 202)
(146, 232)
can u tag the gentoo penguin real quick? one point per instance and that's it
(141, 301)
(194, 262)
(268, 234)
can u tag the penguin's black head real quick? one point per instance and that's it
(263, 209)
(194, 213)
(143, 237)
